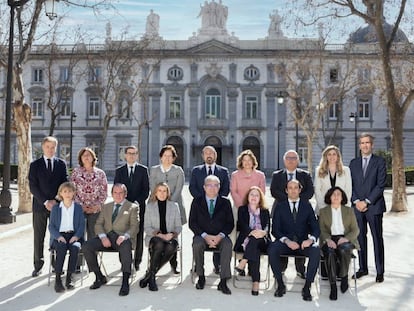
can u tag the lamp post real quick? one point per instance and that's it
(72, 119)
(279, 127)
(353, 118)
(6, 214)
(280, 100)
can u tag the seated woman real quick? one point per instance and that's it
(66, 226)
(254, 222)
(339, 232)
(162, 225)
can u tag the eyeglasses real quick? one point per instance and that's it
(212, 185)
(131, 153)
(291, 158)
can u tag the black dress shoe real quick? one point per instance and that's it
(344, 284)
(36, 272)
(333, 295)
(59, 286)
(201, 282)
(359, 274)
(280, 291)
(301, 275)
(69, 281)
(240, 271)
(379, 278)
(144, 282)
(98, 283)
(306, 295)
(255, 292)
(124, 291)
(223, 287)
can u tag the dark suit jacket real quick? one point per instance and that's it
(138, 190)
(371, 186)
(43, 184)
(243, 221)
(284, 226)
(56, 218)
(200, 220)
(199, 173)
(279, 181)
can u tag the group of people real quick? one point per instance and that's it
(347, 199)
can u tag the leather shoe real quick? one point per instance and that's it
(201, 282)
(240, 271)
(379, 278)
(306, 295)
(144, 282)
(223, 287)
(301, 275)
(359, 274)
(280, 291)
(98, 283)
(59, 286)
(344, 284)
(124, 291)
(36, 272)
(255, 292)
(175, 271)
(333, 295)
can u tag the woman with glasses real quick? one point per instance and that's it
(173, 176)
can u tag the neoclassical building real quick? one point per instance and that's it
(213, 89)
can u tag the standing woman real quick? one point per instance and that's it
(91, 188)
(331, 172)
(339, 232)
(162, 225)
(246, 176)
(254, 223)
(173, 176)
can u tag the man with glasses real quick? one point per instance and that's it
(211, 220)
(135, 177)
(280, 179)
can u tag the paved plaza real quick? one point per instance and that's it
(19, 291)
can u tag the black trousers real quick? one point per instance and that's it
(161, 252)
(254, 248)
(90, 225)
(39, 231)
(139, 248)
(61, 250)
(338, 258)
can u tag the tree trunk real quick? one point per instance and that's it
(22, 119)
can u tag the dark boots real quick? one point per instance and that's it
(124, 291)
(144, 282)
(334, 292)
(69, 281)
(152, 285)
(58, 284)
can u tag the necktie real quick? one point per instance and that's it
(49, 165)
(131, 172)
(211, 208)
(290, 176)
(364, 166)
(115, 213)
(294, 211)
(210, 171)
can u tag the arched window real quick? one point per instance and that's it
(253, 144)
(178, 144)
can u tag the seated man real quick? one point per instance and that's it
(116, 225)
(296, 231)
(211, 220)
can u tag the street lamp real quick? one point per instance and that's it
(279, 127)
(280, 100)
(6, 214)
(72, 119)
(353, 118)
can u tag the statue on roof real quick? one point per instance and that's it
(153, 24)
(275, 29)
(213, 15)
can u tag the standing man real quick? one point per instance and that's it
(196, 187)
(45, 176)
(296, 231)
(278, 185)
(116, 227)
(135, 177)
(211, 220)
(369, 174)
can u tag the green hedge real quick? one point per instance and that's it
(409, 176)
(13, 171)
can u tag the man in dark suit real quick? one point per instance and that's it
(116, 228)
(296, 231)
(211, 220)
(369, 174)
(196, 187)
(278, 191)
(135, 177)
(45, 176)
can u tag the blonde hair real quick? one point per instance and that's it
(65, 185)
(153, 197)
(323, 164)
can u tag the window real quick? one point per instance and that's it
(251, 73)
(334, 111)
(364, 109)
(213, 104)
(175, 107)
(64, 152)
(95, 74)
(333, 75)
(93, 143)
(37, 107)
(175, 73)
(65, 104)
(65, 75)
(303, 152)
(252, 104)
(93, 107)
(37, 75)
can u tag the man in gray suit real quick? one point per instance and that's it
(115, 227)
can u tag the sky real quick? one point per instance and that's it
(178, 19)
